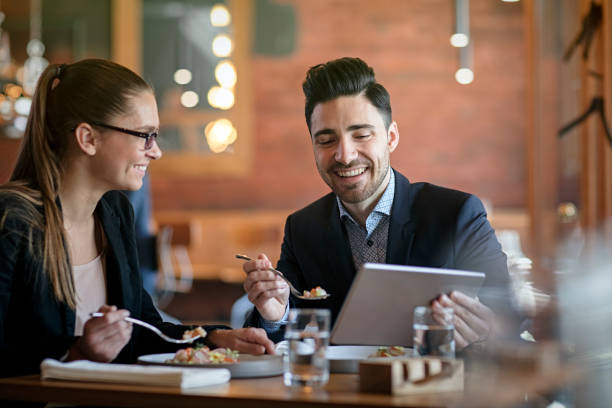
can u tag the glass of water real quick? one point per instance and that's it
(307, 333)
(434, 332)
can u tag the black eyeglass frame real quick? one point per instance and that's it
(148, 137)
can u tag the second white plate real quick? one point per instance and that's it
(248, 366)
(345, 359)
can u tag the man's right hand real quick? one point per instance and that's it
(267, 291)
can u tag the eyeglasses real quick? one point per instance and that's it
(148, 137)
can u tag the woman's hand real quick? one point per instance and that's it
(103, 337)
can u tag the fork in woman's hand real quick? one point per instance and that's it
(156, 330)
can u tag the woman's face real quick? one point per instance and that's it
(122, 160)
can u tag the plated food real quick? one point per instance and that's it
(204, 355)
(315, 292)
(243, 366)
(346, 359)
(197, 332)
(393, 351)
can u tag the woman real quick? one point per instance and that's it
(67, 245)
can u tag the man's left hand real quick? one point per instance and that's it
(474, 322)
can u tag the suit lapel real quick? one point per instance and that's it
(402, 224)
(338, 246)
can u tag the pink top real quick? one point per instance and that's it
(89, 280)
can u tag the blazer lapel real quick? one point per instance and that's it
(402, 225)
(117, 273)
(338, 247)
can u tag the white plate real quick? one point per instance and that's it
(344, 359)
(248, 366)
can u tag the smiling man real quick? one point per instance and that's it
(373, 214)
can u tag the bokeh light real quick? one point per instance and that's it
(189, 99)
(464, 76)
(225, 72)
(22, 106)
(222, 46)
(182, 76)
(220, 16)
(459, 40)
(220, 134)
(221, 98)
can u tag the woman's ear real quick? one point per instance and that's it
(86, 138)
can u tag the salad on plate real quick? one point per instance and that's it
(204, 355)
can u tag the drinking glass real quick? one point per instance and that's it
(434, 332)
(307, 333)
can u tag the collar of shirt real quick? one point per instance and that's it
(382, 209)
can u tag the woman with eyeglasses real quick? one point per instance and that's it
(67, 245)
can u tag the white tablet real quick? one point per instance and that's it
(379, 306)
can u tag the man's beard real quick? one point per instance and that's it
(352, 194)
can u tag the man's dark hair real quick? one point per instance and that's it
(344, 77)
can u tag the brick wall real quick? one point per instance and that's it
(467, 137)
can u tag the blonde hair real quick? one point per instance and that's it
(91, 90)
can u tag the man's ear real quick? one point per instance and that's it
(86, 138)
(392, 136)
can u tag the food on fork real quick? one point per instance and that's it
(190, 334)
(315, 292)
(204, 355)
(393, 351)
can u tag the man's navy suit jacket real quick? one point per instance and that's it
(430, 226)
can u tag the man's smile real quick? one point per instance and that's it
(350, 172)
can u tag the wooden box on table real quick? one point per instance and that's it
(410, 376)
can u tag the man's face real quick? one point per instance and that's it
(351, 147)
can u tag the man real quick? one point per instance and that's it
(374, 213)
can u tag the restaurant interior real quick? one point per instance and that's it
(508, 100)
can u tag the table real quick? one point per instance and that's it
(342, 391)
(483, 389)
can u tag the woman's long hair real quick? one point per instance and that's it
(88, 91)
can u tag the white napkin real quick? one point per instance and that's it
(84, 370)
